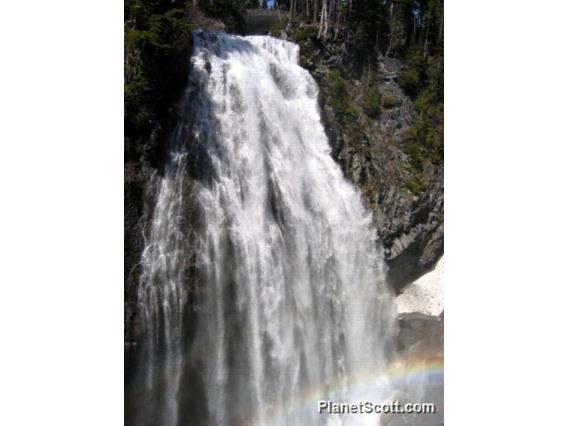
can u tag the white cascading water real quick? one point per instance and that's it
(161, 298)
(292, 305)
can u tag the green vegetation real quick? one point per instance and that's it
(305, 33)
(411, 31)
(371, 102)
(425, 138)
(230, 12)
(390, 102)
(409, 80)
(157, 46)
(415, 185)
(339, 95)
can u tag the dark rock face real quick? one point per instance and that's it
(416, 242)
(370, 152)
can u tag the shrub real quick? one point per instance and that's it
(135, 87)
(425, 138)
(409, 80)
(414, 141)
(158, 41)
(415, 185)
(371, 101)
(422, 80)
(390, 102)
(305, 34)
(339, 96)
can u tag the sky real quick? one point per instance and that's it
(269, 3)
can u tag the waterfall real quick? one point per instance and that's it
(263, 284)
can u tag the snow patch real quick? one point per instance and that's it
(425, 295)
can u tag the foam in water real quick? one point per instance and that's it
(291, 303)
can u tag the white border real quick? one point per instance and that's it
(61, 215)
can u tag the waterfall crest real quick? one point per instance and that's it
(288, 298)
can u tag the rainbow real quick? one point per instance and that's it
(402, 371)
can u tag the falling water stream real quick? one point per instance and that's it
(288, 298)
